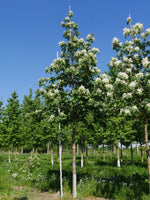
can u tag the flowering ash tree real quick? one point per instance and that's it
(132, 73)
(70, 83)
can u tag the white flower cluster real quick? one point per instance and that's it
(139, 75)
(146, 34)
(123, 75)
(109, 86)
(95, 50)
(132, 84)
(137, 28)
(61, 43)
(116, 42)
(145, 62)
(137, 49)
(126, 32)
(90, 37)
(139, 91)
(114, 62)
(127, 95)
(120, 81)
(125, 110)
(51, 117)
(83, 90)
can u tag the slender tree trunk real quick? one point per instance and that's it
(16, 154)
(22, 150)
(121, 154)
(114, 149)
(131, 154)
(127, 151)
(141, 148)
(74, 179)
(104, 153)
(52, 159)
(77, 149)
(48, 147)
(148, 152)
(118, 156)
(137, 149)
(9, 160)
(86, 149)
(82, 154)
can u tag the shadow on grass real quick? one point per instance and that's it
(21, 198)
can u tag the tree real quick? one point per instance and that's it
(71, 79)
(12, 111)
(32, 118)
(132, 65)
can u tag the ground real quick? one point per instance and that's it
(24, 193)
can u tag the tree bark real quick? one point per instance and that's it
(74, 176)
(148, 152)
(52, 159)
(131, 154)
(121, 154)
(48, 147)
(118, 157)
(103, 153)
(141, 152)
(9, 160)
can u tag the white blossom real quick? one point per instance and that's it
(133, 84)
(139, 90)
(148, 31)
(99, 91)
(127, 95)
(115, 40)
(109, 86)
(106, 80)
(52, 117)
(145, 62)
(109, 94)
(137, 49)
(126, 31)
(120, 81)
(14, 175)
(139, 75)
(123, 75)
(61, 43)
(134, 108)
(148, 105)
(127, 111)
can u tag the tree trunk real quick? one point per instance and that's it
(141, 152)
(118, 157)
(114, 149)
(48, 147)
(131, 154)
(74, 177)
(22, 150)
(60, 164)
(52, 159)
(121, 154)
(82, 155)
(137, 149)
(86, 148)
(16, 154)
(148, 152)
(9, 160)
(104, 153)
(77, 149)
(127, 151)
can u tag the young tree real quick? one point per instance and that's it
(12, 120)
(71, 79)
(132, 66)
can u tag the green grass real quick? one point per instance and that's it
(96, 178)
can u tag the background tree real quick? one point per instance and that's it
(12, 111)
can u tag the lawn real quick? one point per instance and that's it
(35, 178)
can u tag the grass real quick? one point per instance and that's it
(97, 178)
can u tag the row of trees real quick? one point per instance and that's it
(92, 108)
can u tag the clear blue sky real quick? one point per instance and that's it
(30, 32)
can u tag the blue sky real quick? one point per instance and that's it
(30, 32)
